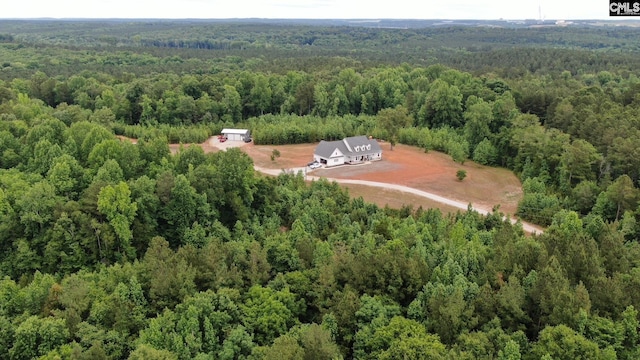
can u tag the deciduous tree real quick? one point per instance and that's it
(114, 201)
(392, 120)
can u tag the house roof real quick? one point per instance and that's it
(235, 131)
(355, 145)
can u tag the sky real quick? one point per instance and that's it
(308, 9)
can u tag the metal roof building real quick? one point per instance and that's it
(236, 134)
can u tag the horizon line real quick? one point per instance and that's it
(321, 19)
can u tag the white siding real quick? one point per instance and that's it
(234, 137)
(336, 161)
(236, 134)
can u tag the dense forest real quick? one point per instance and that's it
(111, 250)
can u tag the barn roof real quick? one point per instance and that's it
(355, 145)
(235, 131)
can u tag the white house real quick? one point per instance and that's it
(351, 150)
(236, 134)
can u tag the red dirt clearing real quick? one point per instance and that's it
(290, 155)
(410, 166)
(433, 172)
(395, 199)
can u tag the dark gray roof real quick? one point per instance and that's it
(325, 148)
(360, 145)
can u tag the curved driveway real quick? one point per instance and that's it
(529, 228)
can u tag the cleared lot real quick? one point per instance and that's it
(433, 172)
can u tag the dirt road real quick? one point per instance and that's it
(214, 143)
(527, 227)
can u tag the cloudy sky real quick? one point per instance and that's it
(309, 9)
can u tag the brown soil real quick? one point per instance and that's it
(290, 155)
(410, 166)
(404, 165)
(395, 199)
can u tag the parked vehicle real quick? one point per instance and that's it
(247, 140)
(314, 165)
(222, 139)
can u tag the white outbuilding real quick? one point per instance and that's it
(236, 134)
